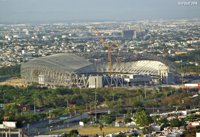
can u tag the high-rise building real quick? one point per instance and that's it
(129, 34)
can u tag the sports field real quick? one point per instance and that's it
(93, 130)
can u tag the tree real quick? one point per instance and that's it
(192, 117)
(1, 115)
(142, 118)
(137, 102)
(10, 71)
(177, 123)
(108, 119)
(56, 112)
(85, 120)
(127, 118)
(73, 133)
(10, 111)
(163, 122)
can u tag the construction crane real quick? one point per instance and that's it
(108, 48)
(117, 56)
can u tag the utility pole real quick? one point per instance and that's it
(49, 122)
(182, 72)
(95, 100)
(9, 133)
(28, 127)
(34, 109)
(145, 94)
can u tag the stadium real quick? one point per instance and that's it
(91, 70)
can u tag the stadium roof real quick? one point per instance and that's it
(72, 63)
(63, 62)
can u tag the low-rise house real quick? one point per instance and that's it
(132, 123)
(118, 123)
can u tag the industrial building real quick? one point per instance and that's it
(91, 70)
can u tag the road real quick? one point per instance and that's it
(43, 127)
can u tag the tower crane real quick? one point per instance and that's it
(108, 48)
(118, 57)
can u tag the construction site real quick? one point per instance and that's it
(110, 68)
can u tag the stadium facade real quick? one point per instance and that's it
(91, 70)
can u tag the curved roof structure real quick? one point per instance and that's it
(74, 69)
(72, 63)
(141, 67)
(66, 62)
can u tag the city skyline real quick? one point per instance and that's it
(25, 11)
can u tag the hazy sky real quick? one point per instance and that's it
(14, 11)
